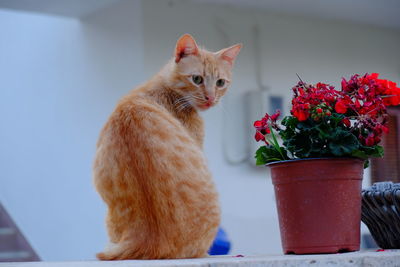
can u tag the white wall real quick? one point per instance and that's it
(318, 50)
(60, 80)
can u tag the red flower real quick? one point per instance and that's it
(370, 141)
(301, 115)
(258, 125)
(363, 99)
(377, 140)
(275, 116)
(341, 107)
(346, 122)
(357, 104)
(259, 136)
(391, 95)
(374, 75)
(263, 127)
(311, 99)
(344, 85)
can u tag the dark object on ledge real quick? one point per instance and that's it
(381, 213)
(13, 244)
(221, 245)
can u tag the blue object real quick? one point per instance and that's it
(221, 244)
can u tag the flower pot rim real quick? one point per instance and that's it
(311, 159)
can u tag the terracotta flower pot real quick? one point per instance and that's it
(319, 204)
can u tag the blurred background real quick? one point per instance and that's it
(64, 64)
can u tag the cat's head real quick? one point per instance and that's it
(199, 76)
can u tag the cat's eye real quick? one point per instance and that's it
(197, 79)
(220, 82)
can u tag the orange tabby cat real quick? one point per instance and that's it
(150, 168)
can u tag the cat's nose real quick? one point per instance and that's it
(209, 99)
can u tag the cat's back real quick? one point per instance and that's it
(140, 116)
(142, 137)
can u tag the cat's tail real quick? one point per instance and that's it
(126, 251)
(104, 256)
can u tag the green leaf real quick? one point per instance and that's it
(343, 143)
(266, 154)
(306, 125)
(260, 156)
(364, 152)
(380, 152)
(335, 119)
(359, 154)
(366, 164)
(290, 121)
(324, 131)
(377, 151)
(374, 151)
(299, 145)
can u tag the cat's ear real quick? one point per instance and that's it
(229, 54)
(185, 46)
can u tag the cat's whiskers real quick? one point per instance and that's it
(183, 103)
(179, 103)
(185, 97)
(199, 98)
(181, 100)
(183, 106)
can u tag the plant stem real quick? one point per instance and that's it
(275, 143)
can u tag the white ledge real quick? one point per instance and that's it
(382, 258)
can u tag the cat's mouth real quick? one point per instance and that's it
(204, 106)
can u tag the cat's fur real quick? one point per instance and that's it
(149, 167)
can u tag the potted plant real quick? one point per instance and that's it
(317, 164)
